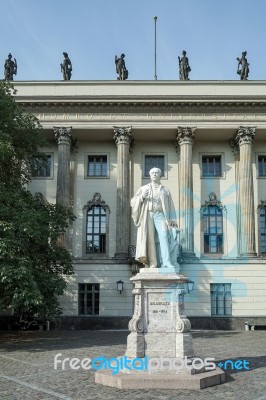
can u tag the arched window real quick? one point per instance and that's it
(212, 218)
(262, 226)
(96, 225)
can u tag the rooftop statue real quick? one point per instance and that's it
(184, 67)
(154, 214)
(66, 67)
(121, 68)
(244, 70)
(10, 68)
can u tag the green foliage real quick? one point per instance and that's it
(32, 262)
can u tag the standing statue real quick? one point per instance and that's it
(244, 70)
(10, 68)
(184, 68)
(121, 68)
(154, 214)
(66, 67)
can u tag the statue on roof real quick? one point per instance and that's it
(66, 67)
(121, 68)
(244, 70)
(10, 68)
(184, 67)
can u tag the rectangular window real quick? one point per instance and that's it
(221, 299)
(97, 166)
(154, 161)
(262, 227)
(211, 166)
(89, 298)
(41, 167)
(262, 165)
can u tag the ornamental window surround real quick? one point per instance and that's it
(96, 240)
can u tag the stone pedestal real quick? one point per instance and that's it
(160, 337)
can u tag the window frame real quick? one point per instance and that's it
(100, 235)
(257, 165)
(86, 163)
(215, 215)
(51, 176)
(96, 200)
(154, 154)
(223, 300)
(260, 234)
(95, 289)
(212, 154)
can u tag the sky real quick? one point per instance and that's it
(213, 32)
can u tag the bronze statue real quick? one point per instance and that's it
(184, 68)
(244, 70)
(121, 68)
(10, 68)
(66, 67)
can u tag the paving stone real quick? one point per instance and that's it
(27, 366)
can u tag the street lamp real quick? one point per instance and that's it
(120, 286)
(190, 286)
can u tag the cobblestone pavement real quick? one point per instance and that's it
(27, 366)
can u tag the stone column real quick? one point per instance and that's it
(65, 141)
(185, 139)
(244, 138)
(123, 140)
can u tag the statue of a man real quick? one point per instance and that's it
(10, 68)
(184, 68)
(66, 67)
(154, 214)
(244, 70)
(121, 68)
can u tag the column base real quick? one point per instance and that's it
(248, 255)
(121, 255)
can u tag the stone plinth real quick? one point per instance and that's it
(160, 339)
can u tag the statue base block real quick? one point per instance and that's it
(160, 346)
(167, 381)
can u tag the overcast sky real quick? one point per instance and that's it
(92, 32)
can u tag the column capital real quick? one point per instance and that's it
(185, 135)
(63, 135)
(245, 135)
(123, 135)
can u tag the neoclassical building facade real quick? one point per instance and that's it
(208, 138)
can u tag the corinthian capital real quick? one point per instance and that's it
(245, 135)
(185, 135)
(63, 135)
(123, 135)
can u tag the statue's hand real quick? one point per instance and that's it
(173, 224)
(145, 193)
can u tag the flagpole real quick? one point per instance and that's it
(155, 44)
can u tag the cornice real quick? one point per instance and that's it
(141, 106)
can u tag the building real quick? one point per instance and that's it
(209, 138)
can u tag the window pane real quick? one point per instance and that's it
(97, 166)
(211, 166)
(156, 161)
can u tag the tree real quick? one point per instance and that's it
(32, 262)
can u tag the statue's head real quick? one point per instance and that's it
(123, 55)
(9, 56)
(65, 54)
(244, 53)
(155, 174)
(184, 52)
